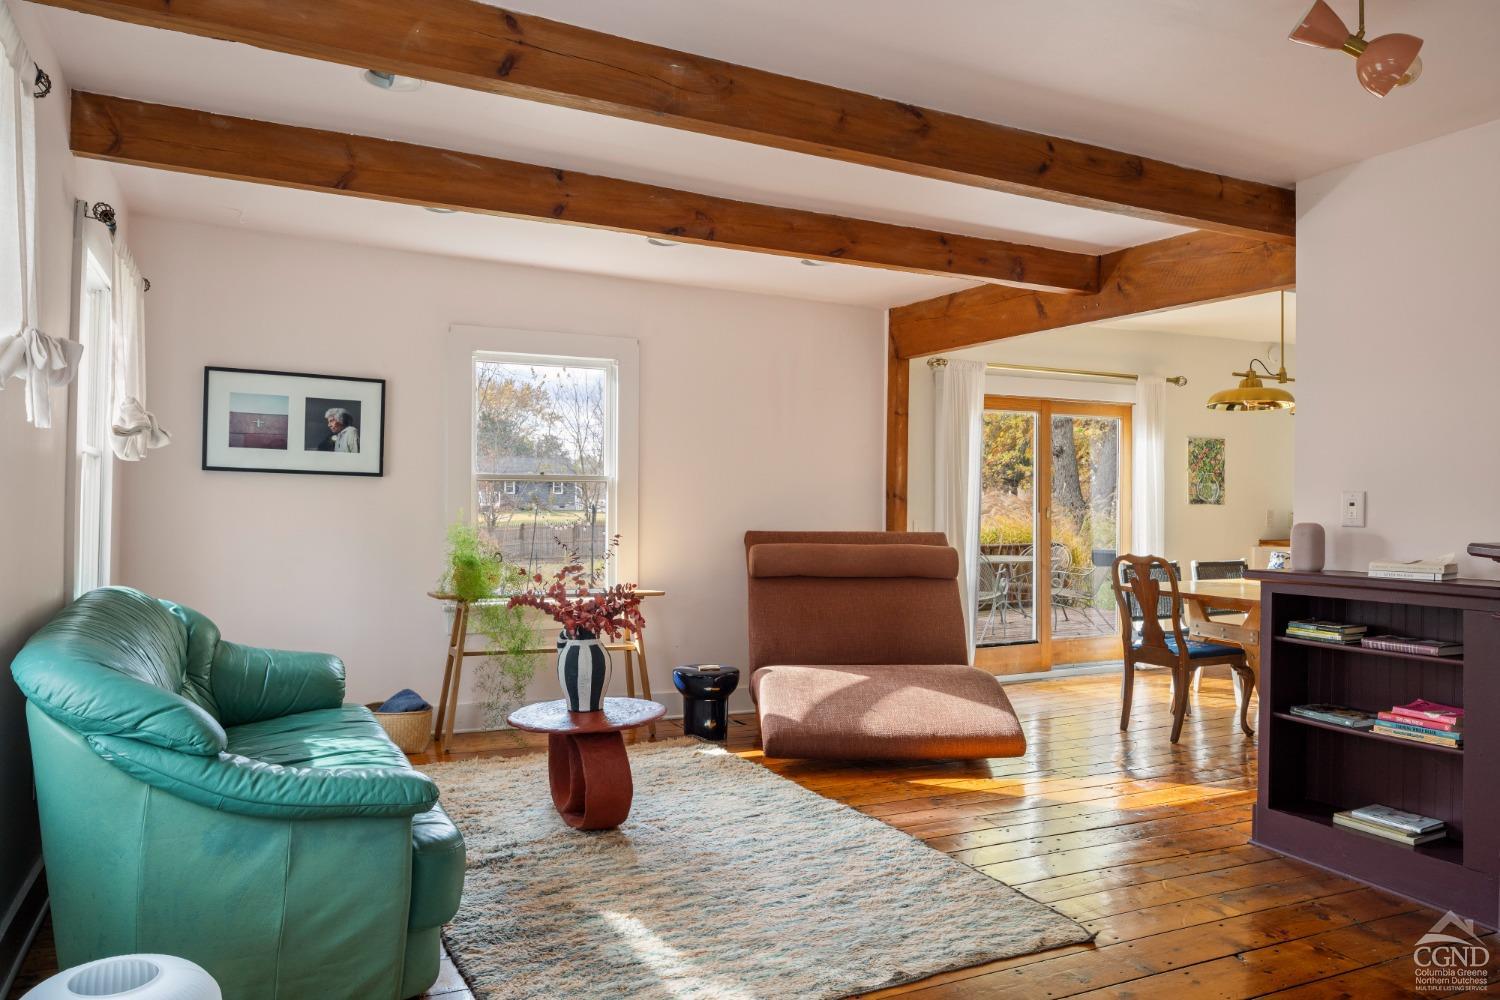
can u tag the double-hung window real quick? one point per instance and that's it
(545, 458)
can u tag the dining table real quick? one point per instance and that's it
(1199, 597)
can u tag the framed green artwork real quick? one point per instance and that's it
(1205, 481)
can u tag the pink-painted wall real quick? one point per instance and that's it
(756, 412)
(1399, 350)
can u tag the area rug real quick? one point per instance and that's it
(727, 882)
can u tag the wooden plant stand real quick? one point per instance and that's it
(633, 645)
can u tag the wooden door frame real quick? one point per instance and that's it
(1040, 655)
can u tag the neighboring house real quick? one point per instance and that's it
(524, 494)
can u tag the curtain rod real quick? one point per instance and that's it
(103, 212)
(1177, 380)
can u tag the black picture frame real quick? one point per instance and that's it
(212, 457)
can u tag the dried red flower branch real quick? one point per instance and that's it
(574, 599)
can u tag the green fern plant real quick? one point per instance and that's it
(475, 572)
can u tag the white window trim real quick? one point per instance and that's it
(557, 487)
(93, 267)
(510, 487)
(548, 348)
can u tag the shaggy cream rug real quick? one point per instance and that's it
(727, 882)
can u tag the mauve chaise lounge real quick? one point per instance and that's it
(857, 650)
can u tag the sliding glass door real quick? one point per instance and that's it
(1054, 513)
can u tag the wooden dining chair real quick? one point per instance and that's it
(1218, 569)
(1151, 582)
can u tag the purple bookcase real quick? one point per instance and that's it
(1309, 770)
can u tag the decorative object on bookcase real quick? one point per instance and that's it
(1392, 824)
(1308, 544)
(1310, 770)
(575, 599)
(1318, 631)
(1416, 647)
(1336, 715)
(1443, 567)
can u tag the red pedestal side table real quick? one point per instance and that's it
(586, 759)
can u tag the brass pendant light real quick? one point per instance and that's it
(1254, 394)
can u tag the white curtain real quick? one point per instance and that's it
(134, 428)
(27, 353)
(1148, 513)
(958, 396)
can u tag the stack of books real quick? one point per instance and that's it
(1424, 722)
(1392, 824)
(1416, 647)
(1336, 715)
(1335, 632)
(1441, 568)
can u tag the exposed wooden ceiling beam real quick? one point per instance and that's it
(474, 45)
(1198, 267)
(154, 135)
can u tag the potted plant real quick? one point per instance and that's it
(575, 599)
(478, 574)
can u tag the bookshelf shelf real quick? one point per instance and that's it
(1365, 734)
(1447, 851)
(1452, 661)
(1309, 769)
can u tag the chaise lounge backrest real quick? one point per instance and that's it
(840, 598)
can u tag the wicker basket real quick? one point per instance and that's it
(410, 731)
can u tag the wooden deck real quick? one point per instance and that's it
(1143, 842)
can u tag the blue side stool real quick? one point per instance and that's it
(705, 689)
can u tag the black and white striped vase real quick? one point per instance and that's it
(582, 670)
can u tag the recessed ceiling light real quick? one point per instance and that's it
(439, 210)
(814, 263)
(391, 82)
(654, 241)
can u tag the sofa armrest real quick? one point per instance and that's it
(235, 784)
(251, 684)
(94, 700)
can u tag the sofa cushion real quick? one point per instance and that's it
(113, 663)
(347, 736)
(888, 712)
(437, 869)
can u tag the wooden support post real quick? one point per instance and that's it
(897, 406)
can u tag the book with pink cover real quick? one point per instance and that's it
(1433, 710)
(1424, 722)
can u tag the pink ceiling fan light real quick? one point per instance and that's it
(1382, 64)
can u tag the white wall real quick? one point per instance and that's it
(33, 463)
(1258, 446)
(756, 412)
(1396, 272)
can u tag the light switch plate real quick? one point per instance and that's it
(1352, 506)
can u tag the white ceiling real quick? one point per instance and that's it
(1254, 317)
(1209, 84)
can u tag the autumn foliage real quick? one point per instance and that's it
(573, 597)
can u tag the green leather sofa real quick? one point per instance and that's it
(220, 803)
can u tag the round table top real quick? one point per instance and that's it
(554, 717)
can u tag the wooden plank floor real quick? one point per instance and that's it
(1142, 842)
